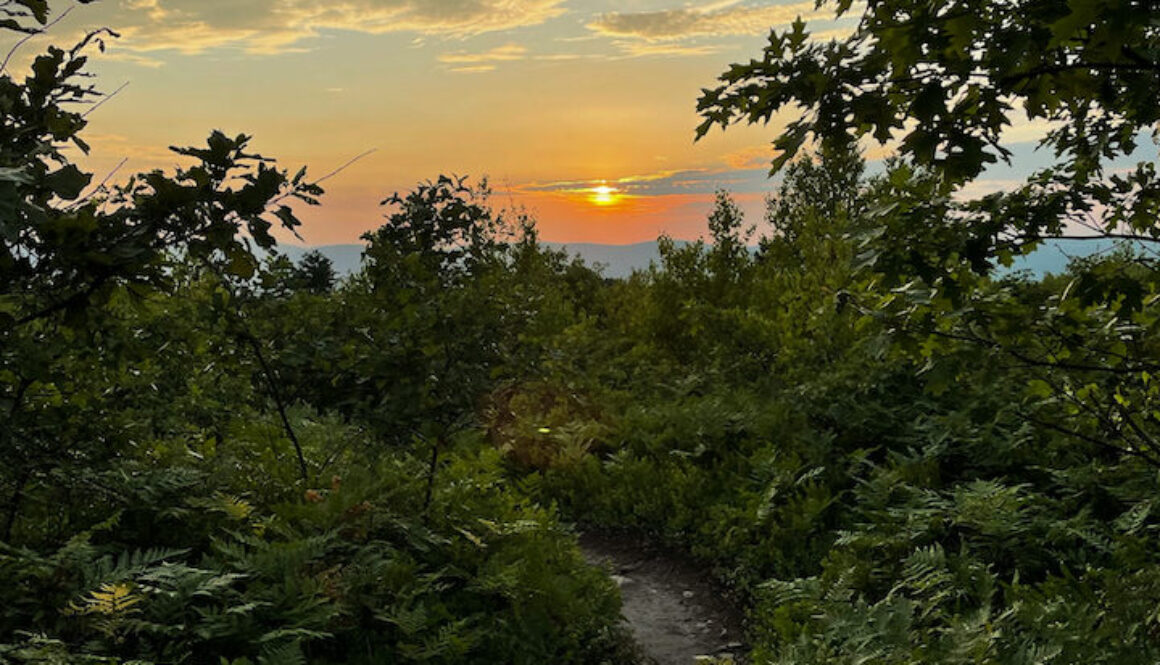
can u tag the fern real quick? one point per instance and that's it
(289, 653)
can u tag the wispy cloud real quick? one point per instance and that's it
(756, 157)
(638, 181)
(839, 33)
(637, 49)
(560, 57)
(140, 156)
(699, 31)
(473, 69)
(505, 53)
(716, 20)
(278, 26)
(662, 183)
(133, 58)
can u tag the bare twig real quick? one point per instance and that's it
(1090, 439)
(106, 98)
(99, 186)
(1107, 236)
(292, 192)
(348, 163)
(24, 40)
(276, 394)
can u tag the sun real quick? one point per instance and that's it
(603, 195)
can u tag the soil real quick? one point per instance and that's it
(677, 615)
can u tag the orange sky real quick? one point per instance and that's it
(548, 99)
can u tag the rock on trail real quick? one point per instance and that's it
(676, 614)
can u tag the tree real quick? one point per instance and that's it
(943, 80)
(148, 512)
(820, 195)
(729, 255)
(434, 331)
(1036, 399)
(68, 250)
(315, 273)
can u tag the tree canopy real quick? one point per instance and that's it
(887, 448)
(941, 82)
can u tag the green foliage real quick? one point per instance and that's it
(346, 577)
(70, 263)
(954, 70)
(915, 475)
(944, 81)
(181, 484)
(892, 454)
(315, 273)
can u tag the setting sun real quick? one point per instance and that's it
(542, 333)
(604, 195)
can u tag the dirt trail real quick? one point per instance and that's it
(675, 612)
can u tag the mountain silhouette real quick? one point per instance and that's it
(619, 261)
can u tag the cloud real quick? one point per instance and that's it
(560, 57)
(716, 20)
(981, 187)
(624, 183)
(505, 53)
(132, 58)
(637, 49)
(840, 33)
(278, 26)
(1023, 130)
(473, 69)
(139, 156)
(755, 157)
(661, 183)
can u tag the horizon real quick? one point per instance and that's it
(581, 114)
(918, 422)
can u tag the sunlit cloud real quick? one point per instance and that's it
(117, 145)
(132, 58)
(983, 186)
(560, 57)
(278, 26)
(152, 8)
(657, 176)
(473, 69)
(657, 184)
(641, 49)
(718, 19)
(684, 31)
(624, 183)
(505, 53)
(1023, 130)
(756, 157)
(839, 33)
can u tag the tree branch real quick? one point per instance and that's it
(276, 395)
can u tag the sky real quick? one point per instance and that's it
(582, 112)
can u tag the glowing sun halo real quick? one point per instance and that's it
(603, 195)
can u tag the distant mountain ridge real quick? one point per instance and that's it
(620, 261)
(346, 258)
(1052, 256)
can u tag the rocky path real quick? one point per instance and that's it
(677, 615)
